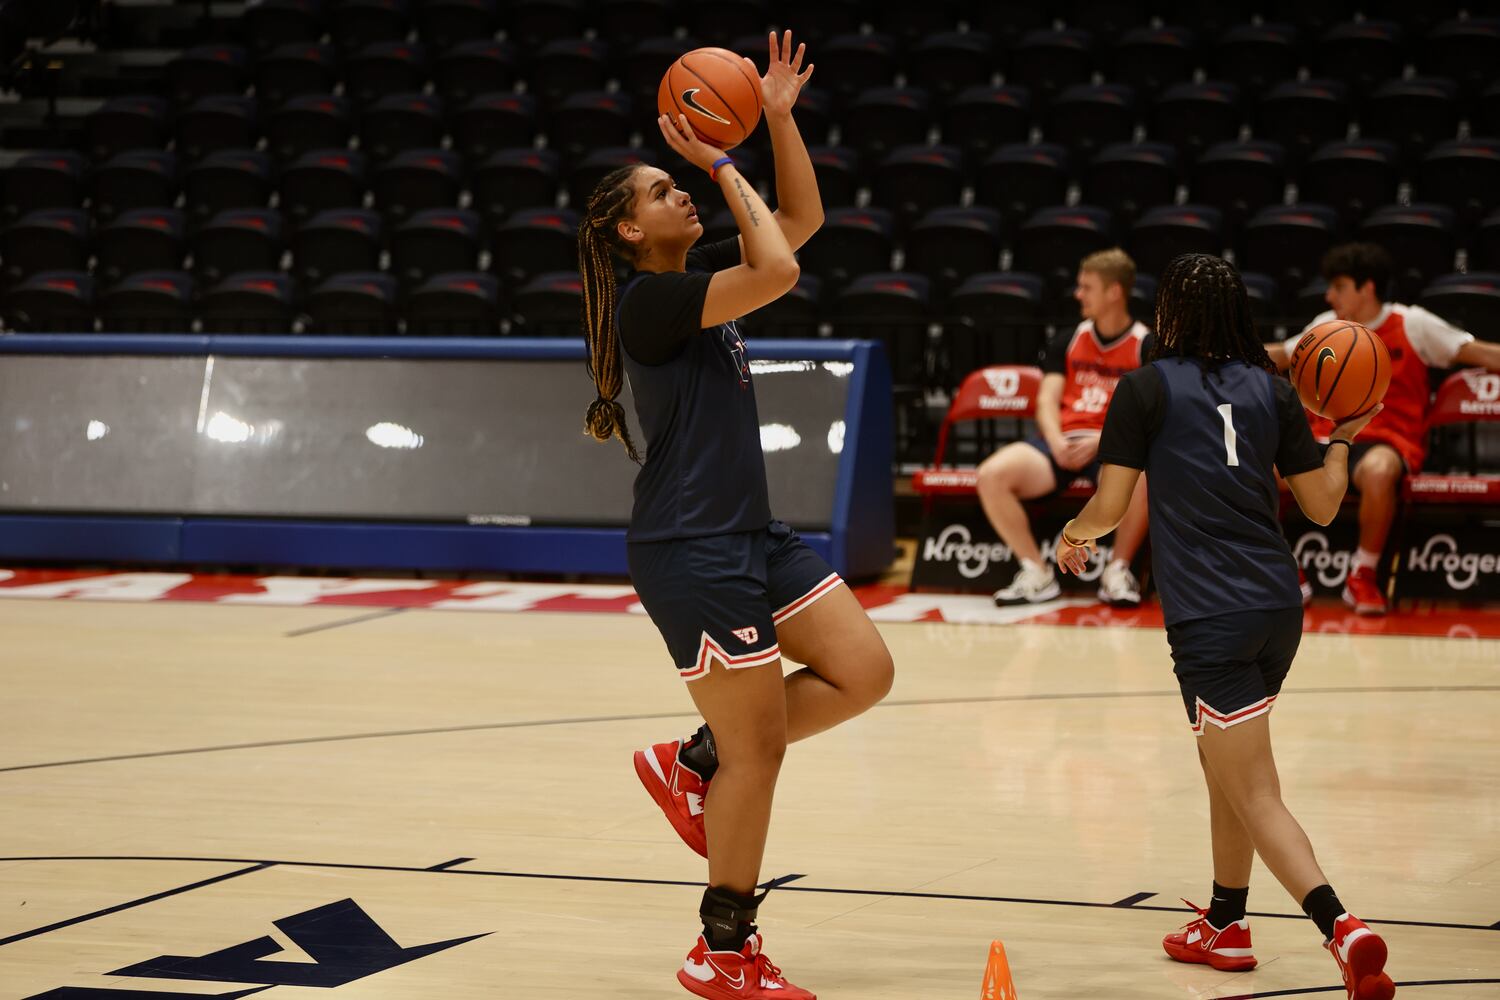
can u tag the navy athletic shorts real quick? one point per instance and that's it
(722, 596)
(1230, 667)
(1064, 477)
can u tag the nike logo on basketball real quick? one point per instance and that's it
(1326, 354)
(747, 635)
(690, 98)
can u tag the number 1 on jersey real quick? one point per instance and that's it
(1226, 410)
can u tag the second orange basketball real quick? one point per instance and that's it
(717, 91)
(1340, 369)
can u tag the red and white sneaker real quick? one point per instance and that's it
(1362, 592)
(736, 975)
(677, 790)
(1361, 955)
(1226, 949)
(1304, 585)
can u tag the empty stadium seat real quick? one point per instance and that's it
(1169, 230)
(949, 62)
(415, 181)
(1413, 113)
(1240, 178)
(567, 66)
(1463, 174)
(148, 302)
(851, 242)
(1469, 301)
(235, 241)
(384, 69)
(1195, 116)
(1360, 54)
(1129, 178)
(465, 71)
(1048, 60)
(207, 69)
(295, 70)
(321, 180)
(443, 24)
(1288, 242)
(948, 245)
(549, 305)
(534, 241)
(335, 242)
(356, 24)
(306, 123)
(1087, 117)
(980, 120)
(493, 122)
(837, 171)
(399, 122)
(587, 120)
(49, 179)
(1256, 57)
(1303, 115)
(122, 123)
(50, 302)
(1421, 239)
(230, 178)
(359, 303)
(880, 119)
(582, 179)
(253, 302)
(1019, 179)
(461, 304)
(857, 62)
(794, 314)
(1150, 59)
(1354, 176)
(48, 239)
(144, 239)
(913, 180)
(221, 121)
(268, 24)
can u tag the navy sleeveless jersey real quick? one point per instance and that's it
(704, 472)
(1209, 444)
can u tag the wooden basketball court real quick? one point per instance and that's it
(213, 800)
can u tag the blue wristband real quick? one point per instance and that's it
(713, 170)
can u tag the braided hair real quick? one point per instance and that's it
(598, 239)
(1203, 313)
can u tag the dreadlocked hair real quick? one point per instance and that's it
(598, 239)
(1203, 313)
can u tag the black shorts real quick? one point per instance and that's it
(1230, 667)
(722, 596)
(1063, 477)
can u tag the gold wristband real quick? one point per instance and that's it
(1070, 541)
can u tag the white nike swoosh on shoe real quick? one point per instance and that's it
(737, 981)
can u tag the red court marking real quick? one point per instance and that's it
(1419, 619)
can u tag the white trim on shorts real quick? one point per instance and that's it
(807, 600)
(1205, 711)
(708, 649)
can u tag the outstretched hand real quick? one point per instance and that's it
(1074, 558)
(784, 77)
(685, 142)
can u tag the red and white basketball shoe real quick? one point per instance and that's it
(1361, 955)
(736, 975)
(1226, 949)
(677, 790)
(1362, 592)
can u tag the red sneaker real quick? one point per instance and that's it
(1304, 585)
(1361, 954)
(1362, 592)
(1226, 949)
(678, 791)
(736, 975)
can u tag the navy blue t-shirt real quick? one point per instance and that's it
(705, 473)
(1209, 443)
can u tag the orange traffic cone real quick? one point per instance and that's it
(998, 984)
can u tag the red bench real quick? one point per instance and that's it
(999, 392)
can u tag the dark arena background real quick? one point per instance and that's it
(323, 667)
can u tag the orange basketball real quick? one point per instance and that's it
(717, 91)
(1340, 370)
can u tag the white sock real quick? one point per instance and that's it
(1365, 559)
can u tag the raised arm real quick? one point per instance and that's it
(799, 205)
(769, 270)
(1480, 354)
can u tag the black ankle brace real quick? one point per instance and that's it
(728, 917)
(699, 754)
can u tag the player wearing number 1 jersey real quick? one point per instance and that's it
(1210, 422)
(1081, 370)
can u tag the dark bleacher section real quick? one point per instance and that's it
(341, 166)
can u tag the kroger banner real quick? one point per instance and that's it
(960, 552)
(1324, 552)
(1458, 561)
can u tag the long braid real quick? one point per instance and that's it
(597, 240)
(1203, 313)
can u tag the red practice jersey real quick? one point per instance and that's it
(1091, 369)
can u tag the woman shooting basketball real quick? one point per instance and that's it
(1209, 423)
(731, 589)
